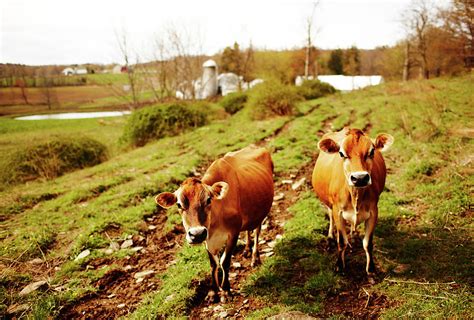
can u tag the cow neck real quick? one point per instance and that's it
(357, 195)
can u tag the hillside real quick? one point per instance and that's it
(423, 243)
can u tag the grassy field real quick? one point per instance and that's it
(423, 244)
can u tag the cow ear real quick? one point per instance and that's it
(219, 190)
(328, 145)
(166, 199)
(383, 142)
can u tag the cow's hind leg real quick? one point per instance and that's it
(225, 265)
(255, 252)
(212, 294)
(248, 241)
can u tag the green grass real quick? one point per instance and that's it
(425, 216)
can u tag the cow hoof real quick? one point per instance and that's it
(371, 279)
(246, 253)
(225, 296)
(212, 297)
(255, 262)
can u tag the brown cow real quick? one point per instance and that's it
(234, 195)
(348, 178)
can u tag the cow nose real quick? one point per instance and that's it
(197, 234)
(360, 179)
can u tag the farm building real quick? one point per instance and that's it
(72, 71)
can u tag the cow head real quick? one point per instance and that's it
(194, 200)
(357, 152)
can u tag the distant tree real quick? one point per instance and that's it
(231, 59)
(335, 63)
(418, 18)
(351, 64)
(458, 21)
(47, 90)
(132, 74)
(309, 42)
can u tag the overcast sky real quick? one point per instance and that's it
(67, 32)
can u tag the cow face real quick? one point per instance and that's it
(194, 200)
(357, 152)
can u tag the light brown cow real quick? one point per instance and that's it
(348, 178)
(234, 195)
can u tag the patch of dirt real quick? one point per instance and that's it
(120, 290)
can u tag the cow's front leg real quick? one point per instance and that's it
(212, 295)
(342, 241)
(225, 264)
(367, 242)
(248, 241)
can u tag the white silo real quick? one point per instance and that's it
(209, 79)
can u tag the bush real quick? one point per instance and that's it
(51, 159)
(234, 102)
(162, 120)
(312, 89)
(272, 98)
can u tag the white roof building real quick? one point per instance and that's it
(349, 83)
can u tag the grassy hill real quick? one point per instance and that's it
(423, 243)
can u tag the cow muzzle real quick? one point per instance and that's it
(196, 235)
(360, 179)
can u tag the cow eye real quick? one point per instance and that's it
(208, 202)
(372, 153)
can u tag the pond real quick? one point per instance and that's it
(75, 115)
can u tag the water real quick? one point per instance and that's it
(75, 115)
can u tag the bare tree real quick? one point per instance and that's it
(130, 69)
(418, 18)
(309, 44)
(47, 87)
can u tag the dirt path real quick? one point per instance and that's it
(121, 289)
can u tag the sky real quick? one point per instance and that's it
(38, 32)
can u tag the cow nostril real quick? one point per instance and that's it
(354, 179)
(366, 178)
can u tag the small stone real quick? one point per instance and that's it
(57, 268)
(264, 226)
(286, 181)
(236, 265)
(36, 261)
(223, 314)
(127, 267)
(32, 287)
(279, 236)
(149, 219)
(269, 254)
(218, 308)
(139, 280)
(129, 236)
(272, 244)
(292, 176)
(126, 244)
(169, 298)
(279, 197)
(108, 251)
(60, 288)
(246, 301)
(110, 296)
(267, 250)
(233, 275)
(135, 249)
(17, 308)
(114, 246)
(151, 227)
(83, 254)
(263, 241)
(121, 306)
(298, 184)
(143, 274)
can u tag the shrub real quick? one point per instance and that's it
(312, 89)
(53, 158)
(162, 120)
(234, 102)
(272, 98)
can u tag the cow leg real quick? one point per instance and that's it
(248, 241)
(367, 242)
(342, 241)
(225, 265)
(331, 225)
(255, 252)
(212, 294)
